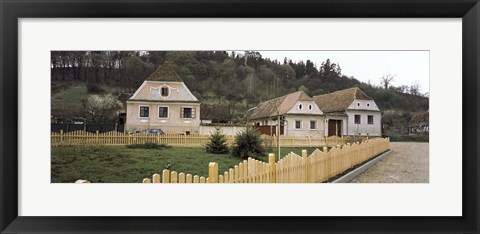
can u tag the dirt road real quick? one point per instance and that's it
(408, 163)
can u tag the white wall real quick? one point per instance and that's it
(364, 128)
(364, 108)
(227, 130)
(305, 108)
(363, 105)
(305, 130)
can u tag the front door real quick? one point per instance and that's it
(334, 127)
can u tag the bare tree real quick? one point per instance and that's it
(415, 88)
(386, 80)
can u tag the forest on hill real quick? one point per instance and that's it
(237, 80)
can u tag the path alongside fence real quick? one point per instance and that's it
(319, 166)
(408, 163)
(83, 138)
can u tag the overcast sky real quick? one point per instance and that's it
(407, 66)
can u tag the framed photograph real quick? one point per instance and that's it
(223, 116)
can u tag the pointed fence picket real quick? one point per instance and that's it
(319, 166)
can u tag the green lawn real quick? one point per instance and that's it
(119, 164)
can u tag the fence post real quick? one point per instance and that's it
(271, 163)
(213, 172)
(156, 178)
(166, 176)
(305, 160)
(185, 138)
(61, 136)
(129, 138)
(96, 137)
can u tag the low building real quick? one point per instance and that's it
(163, 101)
(350, 112)
(298, 113)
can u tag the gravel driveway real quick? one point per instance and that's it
(408, 163)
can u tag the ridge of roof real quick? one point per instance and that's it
(164, 72)
(281, 104)
(339, 100)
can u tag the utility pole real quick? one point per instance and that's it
(278, 133)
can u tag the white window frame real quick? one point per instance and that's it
(295, 124)
(191, 107)
(140, 107)
(300, 106)
(168, 112)
(310, 125)
(310, 107)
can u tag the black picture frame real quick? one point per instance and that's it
(11, 11)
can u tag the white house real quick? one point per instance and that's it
(299, 116)
(350, 112)
(163, 101)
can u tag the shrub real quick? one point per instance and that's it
(248, 144)
(217, 143)
(148, 145)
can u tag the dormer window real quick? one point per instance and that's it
(358, 103)
(368, 104)
(300, 106)
(310, 107)
(165, 91)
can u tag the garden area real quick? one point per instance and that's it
(121, 164)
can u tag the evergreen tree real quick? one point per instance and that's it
(218, 143)
(248, 144)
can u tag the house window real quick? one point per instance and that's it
(357, 119)
(309, 107)
(165, 91)
(187, 113)
(300, 106)
(163, 112)
(144, 111)
(368, 104)
(313, 124)
(358, 103)
(370, 119)
(298, 124)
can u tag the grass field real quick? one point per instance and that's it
(119, 164)
(70, 98)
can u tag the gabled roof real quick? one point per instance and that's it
(284, 104)
(339, 101)
(164, 72)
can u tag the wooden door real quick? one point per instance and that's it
(334, 127)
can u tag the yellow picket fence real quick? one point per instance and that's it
(83, 138)
(319, 166)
